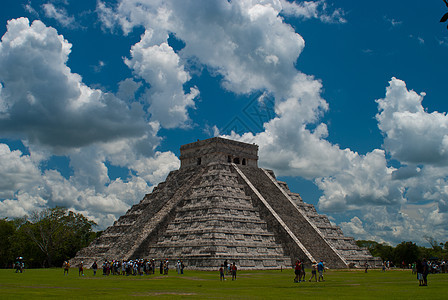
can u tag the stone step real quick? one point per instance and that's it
(297, 223)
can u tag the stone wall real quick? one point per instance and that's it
(218, 150)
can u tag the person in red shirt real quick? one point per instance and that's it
(221, 273)
(297, 270)
(234, 268)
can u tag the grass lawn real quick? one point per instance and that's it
(339, 284)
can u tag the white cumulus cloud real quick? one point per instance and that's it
(412, 135)
(59, 14)
(160, 66)
(53, 112)
(43, 101)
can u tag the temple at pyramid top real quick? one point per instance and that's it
(218, 150)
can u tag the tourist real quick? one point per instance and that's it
(313, 271)
(117, 267)
(178, 267)
(161, 267)
(414, 268)
(18, 267)
(182, 266)
(66, 267)
(425, 272)
(134, 267)
(147, 265)
(221, 273)
(366, 266)
(81, 269)
(419, 268)
(140, 267)
(321, 270)
(129, 268)
(297, 271)
(165, 268)
(302, 271)
(94, 267)
(226, 267)
(234, 269)
(123, 267)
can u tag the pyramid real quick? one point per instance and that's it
(221, 206)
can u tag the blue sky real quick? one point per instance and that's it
(346, 100)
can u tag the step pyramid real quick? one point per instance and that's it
(221, 206)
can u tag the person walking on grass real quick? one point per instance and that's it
(66, 267)
(81, 269)
(94, 267)
(313, 271)
(297, 271)
(234, 269)
(221, 273)
(302, 271)
(419, 268)
(425, 272)
(182, 266)
(321, 270)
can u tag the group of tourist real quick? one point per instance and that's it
(299, 271)
(128, 267)
(148, 266)
(424, 267)
(227, 268)
(434, 267)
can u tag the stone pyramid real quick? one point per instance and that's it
(220, 206)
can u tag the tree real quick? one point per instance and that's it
(384, 251)
(7, 230)
(376, 249)
(22, 245)
(370, 245)
(58, 233)
(406, 252)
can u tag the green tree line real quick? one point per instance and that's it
(407, 252)
(45, 239)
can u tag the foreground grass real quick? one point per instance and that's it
(345, 284)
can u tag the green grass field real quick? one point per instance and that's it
(339, 284)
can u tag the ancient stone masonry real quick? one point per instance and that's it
(219, 205)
